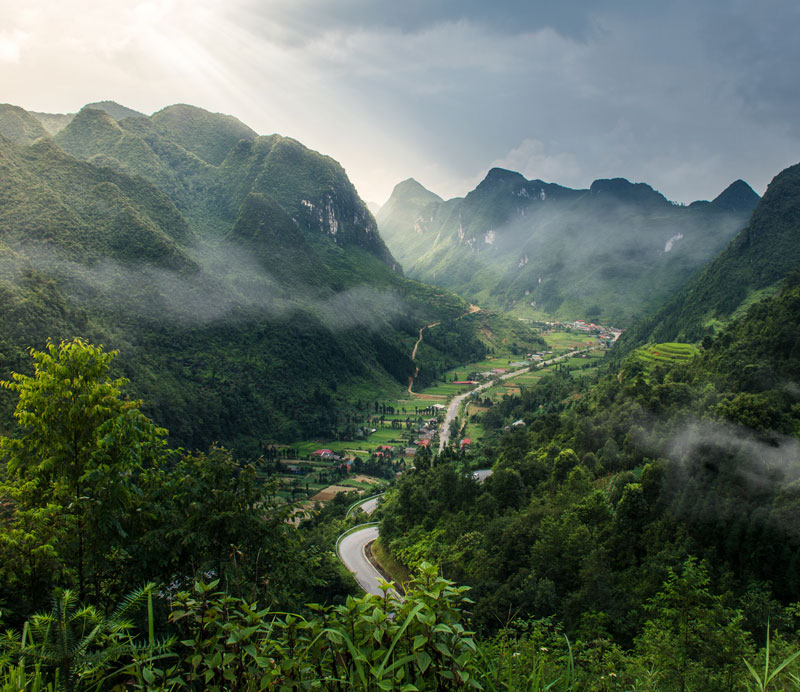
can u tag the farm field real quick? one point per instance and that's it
(388, 415)
(562, 341)
(666, 353)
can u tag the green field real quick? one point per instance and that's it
(666, 353)
(568, 341)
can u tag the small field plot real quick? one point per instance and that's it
(568, 341)
(666, 353)
(447, 389)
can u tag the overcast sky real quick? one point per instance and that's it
(687, 96)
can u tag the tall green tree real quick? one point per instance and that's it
(693, 639)
(72, 468)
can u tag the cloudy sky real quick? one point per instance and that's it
(684, 95)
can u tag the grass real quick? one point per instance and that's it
(666, 353)
(567, 341)
(446, 389)
(394, 568)
(474, 431)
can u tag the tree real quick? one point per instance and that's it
(692, 638)
(80, 449)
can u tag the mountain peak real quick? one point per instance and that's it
(410, 188)
(737, 197)
(623, 190)
(90, 132)
(500, 175)
(114, 109)
(18, 125)
(211, 136)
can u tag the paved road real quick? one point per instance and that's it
(351, 552)
(369, 506)
(452, 409)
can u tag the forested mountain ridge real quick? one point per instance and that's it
(754, 262)
(18, 125)
(242, 277)
(608, 253)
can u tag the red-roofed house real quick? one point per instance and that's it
(325, 454)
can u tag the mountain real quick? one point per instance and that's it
(210, 136)
(313, 189)
(19, 126)
(115, 110)
(751, 266)
(410, 206)
(241, 277)
(737, 197)
(545, 251)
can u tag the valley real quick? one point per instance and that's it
(392, 432)
(278, 366)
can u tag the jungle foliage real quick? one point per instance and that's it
(663, 471)
(93, 500)
(241, 277)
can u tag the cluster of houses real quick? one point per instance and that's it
(605, 335)
(423, 436)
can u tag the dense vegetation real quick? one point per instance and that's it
(599, 589)
(241, 277)
(609, 253)
(95, 501)
(751, 266)
(677, 470)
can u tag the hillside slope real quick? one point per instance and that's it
(241, 277)
(752, 264)
(609, 253)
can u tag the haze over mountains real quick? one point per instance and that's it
(750, 267)
(200, 248)
(242, 277)
(609, 253)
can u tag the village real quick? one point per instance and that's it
(392, 434)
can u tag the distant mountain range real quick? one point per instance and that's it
(242, 278)
(750, 267)
(609, 253)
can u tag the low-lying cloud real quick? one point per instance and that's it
(225, 285)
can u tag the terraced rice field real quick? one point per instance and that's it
(667, 353)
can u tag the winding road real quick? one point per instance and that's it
(352, 554)
(455, 403)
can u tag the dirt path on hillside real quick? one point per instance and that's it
(472, 310)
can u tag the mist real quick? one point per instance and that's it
(219, 285)
(760, 462)
(568, 252)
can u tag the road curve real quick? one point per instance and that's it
(369, 506)
(351, 553)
